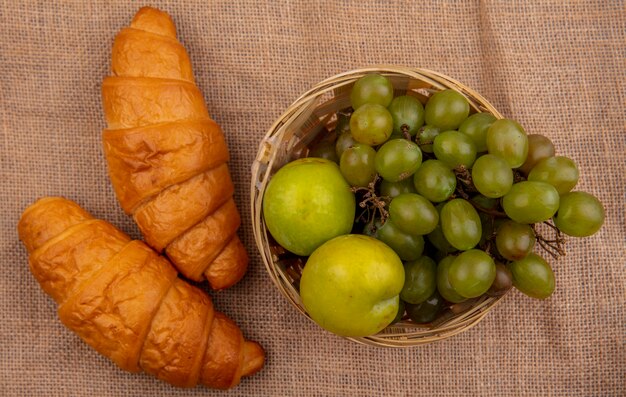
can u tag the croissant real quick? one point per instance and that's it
(127, 302)
(167, 157)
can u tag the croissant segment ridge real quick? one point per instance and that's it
(167, 159)
(126, 301)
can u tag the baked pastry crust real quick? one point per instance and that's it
(167, 158)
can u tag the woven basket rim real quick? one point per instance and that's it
(261, 170)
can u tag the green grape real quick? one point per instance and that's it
(472, 273)
(344, 141)
(357, 165)
(434, 180)
(371, 89)
(420, 280)
(443, 283)
(446, 109)
(455, 149)
(460, 224)
(533, 276)
(426, 311)
(407, 113)
(398, 159)
(515, 240)
(413, 214)
(560, 172)
(580, 214)
(476, 126)
(539, 148)
(531, 202)
(436, 237)
(371, 124)
(426, 136)
(408, 247)
(399, 313)
(325, 150)
(343, 123)
(507, 140)
(503, 281)
(394, 189)
(492, 176)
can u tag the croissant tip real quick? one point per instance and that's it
(253, 358)
(154, 20)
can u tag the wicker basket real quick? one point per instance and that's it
(288, 140)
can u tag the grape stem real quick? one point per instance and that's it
(554, 247)
(463, 175)
(405, 132)
(372, 203)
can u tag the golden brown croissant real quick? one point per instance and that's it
(167, 157)
(127, 302)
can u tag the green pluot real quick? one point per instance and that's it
(351, 285)
(306, 203)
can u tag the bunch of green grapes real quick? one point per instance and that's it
(458, 196)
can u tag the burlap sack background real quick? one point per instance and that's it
(557, 67)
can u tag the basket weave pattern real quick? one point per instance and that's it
(288, 139)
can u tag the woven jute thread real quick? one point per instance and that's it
(556, 67)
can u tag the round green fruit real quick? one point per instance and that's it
(455, 149)
(531, 202)
(460, 224)
(420, 280)
(371, 124)
(413, 214)
(508, 140)
(533, 276)
(408, 247)
(476, 126)
(351, 284)
(426, 311)
(446, 109)
(434, 180)
(472, 273)
(398, 159)
(443, 283)
(580, 214)
(306, 203)
(539, 148)
(407, 113)
(560, 172)
(492, 176)
(371, 89)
